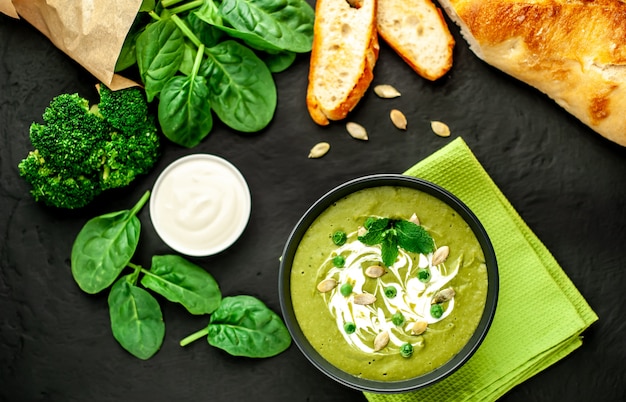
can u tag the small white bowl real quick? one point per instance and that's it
(200, 205)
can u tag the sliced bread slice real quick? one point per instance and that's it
(417, 31)
(344, 53)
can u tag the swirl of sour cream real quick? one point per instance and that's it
(412, 299)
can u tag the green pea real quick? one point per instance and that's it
(340, 237)
(346, 289)
(391, 292)
(423, 274)
(436, 310)
(406, 350)
(339, 261)
(349, 327)
(397, 319)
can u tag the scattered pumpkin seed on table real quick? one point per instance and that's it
(440, 128)
(320, 149)
(386, 91)
(398, 119)
(357, 131)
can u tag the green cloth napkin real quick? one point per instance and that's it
(527, 334)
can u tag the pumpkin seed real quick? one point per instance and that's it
(381, 340)
(443, 295)
(440, 128)
(375, 271)
(386, 91)
(419, 327)
(364, 299)
(320, 149)
(326, 285)
(398, 119)
(440, 255)
(356, 131)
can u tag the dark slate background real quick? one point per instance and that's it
(567, 183)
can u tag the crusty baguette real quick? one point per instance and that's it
(344, 53)
(417, 31)
(573, 51)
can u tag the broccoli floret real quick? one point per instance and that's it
(129, 156)
(69, 135)
(80, 151)
(125, 110)
(54, 189)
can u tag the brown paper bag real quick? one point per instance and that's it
(91, 32)
(6, 7)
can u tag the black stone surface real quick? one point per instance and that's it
(567, 183)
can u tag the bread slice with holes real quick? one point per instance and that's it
(572, 51)
(417, 31)
(345, 51)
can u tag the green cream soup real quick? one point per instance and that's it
(394, 321)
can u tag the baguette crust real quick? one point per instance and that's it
(573, 51)
(345, 51)
(418, 33)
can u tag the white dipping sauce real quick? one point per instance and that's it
(200, 205)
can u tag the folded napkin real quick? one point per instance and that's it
(527, 334)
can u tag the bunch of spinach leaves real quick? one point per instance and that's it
(241, 325)
(203, 56)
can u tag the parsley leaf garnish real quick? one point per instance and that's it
(394, 233)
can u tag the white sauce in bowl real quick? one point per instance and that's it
(200, 205)
(413, 298)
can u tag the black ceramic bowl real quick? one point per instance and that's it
(387, 386)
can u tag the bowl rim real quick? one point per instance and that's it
(368, 385)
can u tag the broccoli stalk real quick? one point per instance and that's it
(81, 151)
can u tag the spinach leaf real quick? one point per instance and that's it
(251, 39)
(136, 319)
(213, 22)
(104, 246)
(185, 111)
(287, 24)
(128, 53)
(189, 56)
(181, 281)
(147, 5)
(203, 22)
(278, 62)
(245, 326)
(159, 54)
(209, 13)
(242, 90)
